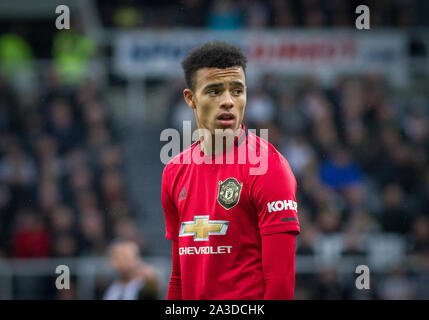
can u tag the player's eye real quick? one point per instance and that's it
(237, 92)
(213, 92)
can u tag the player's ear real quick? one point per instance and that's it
(189, 98)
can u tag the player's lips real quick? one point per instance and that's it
(226, 118)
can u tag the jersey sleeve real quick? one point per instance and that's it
(274, 196)
(170, 210)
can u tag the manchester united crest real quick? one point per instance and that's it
(229, 193)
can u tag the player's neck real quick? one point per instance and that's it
(213, 144)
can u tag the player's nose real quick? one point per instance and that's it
(227, 102)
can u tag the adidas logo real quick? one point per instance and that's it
(182, 195)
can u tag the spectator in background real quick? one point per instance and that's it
(299, 154)
(340, 172)
(292, 117)
(31, 237)
(420, 235)
(6, 219)
(61, 125)
(260, 109)
(191, 13)
(394, 217)
(72, 53)
(257, 13)
(136, 279)
(329, 286)
(398, 286)
(224, 15)
(16, 60)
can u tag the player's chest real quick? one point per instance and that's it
(219, 194)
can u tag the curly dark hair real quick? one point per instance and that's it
(216, 54)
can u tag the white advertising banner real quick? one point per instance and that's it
(326, 53)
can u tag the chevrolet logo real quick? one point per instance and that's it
(201, 228)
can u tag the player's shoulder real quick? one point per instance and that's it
(264, 148)
(267, 153)
(183, 157)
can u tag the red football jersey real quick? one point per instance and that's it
(218, 213)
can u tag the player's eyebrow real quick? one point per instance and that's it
(237, 83)
(212, 86)
(217, 85)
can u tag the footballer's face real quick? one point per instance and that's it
(219, 98)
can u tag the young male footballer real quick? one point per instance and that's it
(233, 228)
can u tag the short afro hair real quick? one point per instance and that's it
(216, 54)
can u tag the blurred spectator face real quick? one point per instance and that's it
(323, 197)
(49, 164)
(362, 222)
(307, 239)
(86, 200)
(118, 210)
(417, 127)
(46, 147)
(124, 257)
(356, 134)
(98, 136)
(283, 16)
(260, 108)
(401, 155)
(314, 18)
(352, 98)
(341, 157)
(81, 179)
(111, 157)
(421, 230)
(393, 196)
(34, 123)
(398, 286)
(355, 194)
(257, 14)
(325, 135)
(87, 92)
(329, 221)
(341, 10)
(49, 195)
(329, 276)
(288, 100)
(65, 246)
(390, 138)
(61, 114)
(299, 154)
(94, 114)
(353, 243)
(385, 113)
(126, 229)
(16, 168)
(76, 159)
(92, 225)
(112, 186)
(62, 219)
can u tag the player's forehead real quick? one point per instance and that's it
(205, 76)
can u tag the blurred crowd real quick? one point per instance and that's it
(236, 14)
(358, 148)
(62, 190)
(360, 154)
